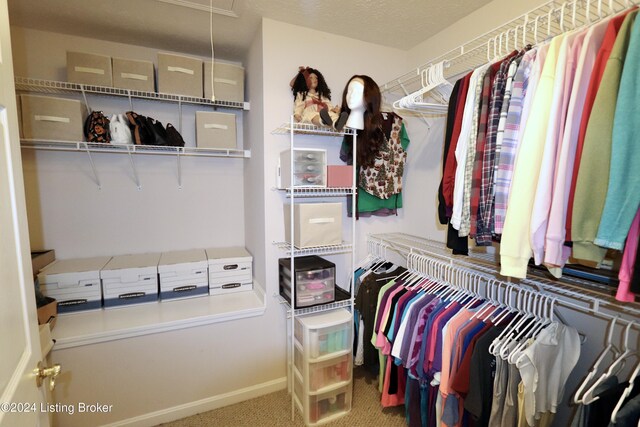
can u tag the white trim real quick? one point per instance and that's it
(203, 405)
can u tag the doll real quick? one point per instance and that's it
(312, 100)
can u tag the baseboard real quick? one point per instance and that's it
(204, 405)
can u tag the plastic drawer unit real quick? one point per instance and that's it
(314, 280)
(325, 373)
(320, 408)
(183, 274)
(324, 334)
(229, 270)
(75, 283)
(309, 168)
(130, 279)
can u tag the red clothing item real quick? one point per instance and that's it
(594, 83)
(449, 174)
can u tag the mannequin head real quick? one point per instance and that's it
(310, 80)
(361, 99)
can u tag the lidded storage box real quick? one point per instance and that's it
(316, 224)
(309, 168)
(89, 69)
(130, 279)
(215, 130)
(228, 81)
(183, 274)
(133, 74)
(75, 283)
(179, 75)
(315, 280)
(49, 118)
(229, 270)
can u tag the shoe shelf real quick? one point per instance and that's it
(309, 129)
(317, 192)
(53, 87)
(131, 150)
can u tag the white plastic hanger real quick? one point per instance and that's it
(577, 398)
(625, 393)
(589, 397)
(434, 85)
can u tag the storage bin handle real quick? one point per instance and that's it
(180, 70)
(215, 126)
(42, 118)
(133, 76)
(89, 70)
(322, 220)
(230, 267)
(231, 285)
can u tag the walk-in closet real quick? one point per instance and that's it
(258, 213)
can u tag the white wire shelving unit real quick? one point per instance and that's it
(26, 84)
(293, 129)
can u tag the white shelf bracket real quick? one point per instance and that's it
(93, 166)
(133, 169)
(180, 115)
(84, 97)
(130, 100)
(179, 168)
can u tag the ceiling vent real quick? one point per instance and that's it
(220, 7)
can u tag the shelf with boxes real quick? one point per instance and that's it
(320, 383)
(149, 293)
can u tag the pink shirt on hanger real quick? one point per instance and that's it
(628, 259)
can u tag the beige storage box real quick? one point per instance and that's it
(215, 130)
(179, 75)
(48, 118)
(133, 75)
(89, 69)
(228, 81)
(316, 224)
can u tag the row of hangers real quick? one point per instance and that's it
(529, 311)
(438, 89)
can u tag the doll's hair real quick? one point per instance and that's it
(300, 84)
(371, 138)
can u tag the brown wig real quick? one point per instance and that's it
(300, 84)
(371, 138)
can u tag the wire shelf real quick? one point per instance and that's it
(318, 192)
(52, 87)
(309, 129)
(81, 146)
(315, 250)
(317, 308)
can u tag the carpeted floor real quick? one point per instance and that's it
(275, 410)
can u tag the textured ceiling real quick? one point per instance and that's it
(167, 24)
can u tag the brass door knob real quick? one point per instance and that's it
(41, 373)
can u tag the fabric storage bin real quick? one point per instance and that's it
(183, 274)
(133, 75)
(179, 75)
(316, 224)
(309, 168)
(228, 81)
(323, 334)
(314, 278)
(89, 69)
(75, 283)
(130, 279)
(229, 270)
(215, 130)
(49, 118)
(339, 176)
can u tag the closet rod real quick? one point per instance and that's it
(546, 20)
(406, 244)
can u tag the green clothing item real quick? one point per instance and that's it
(368, 202)
(593, 176)
(623, 195)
